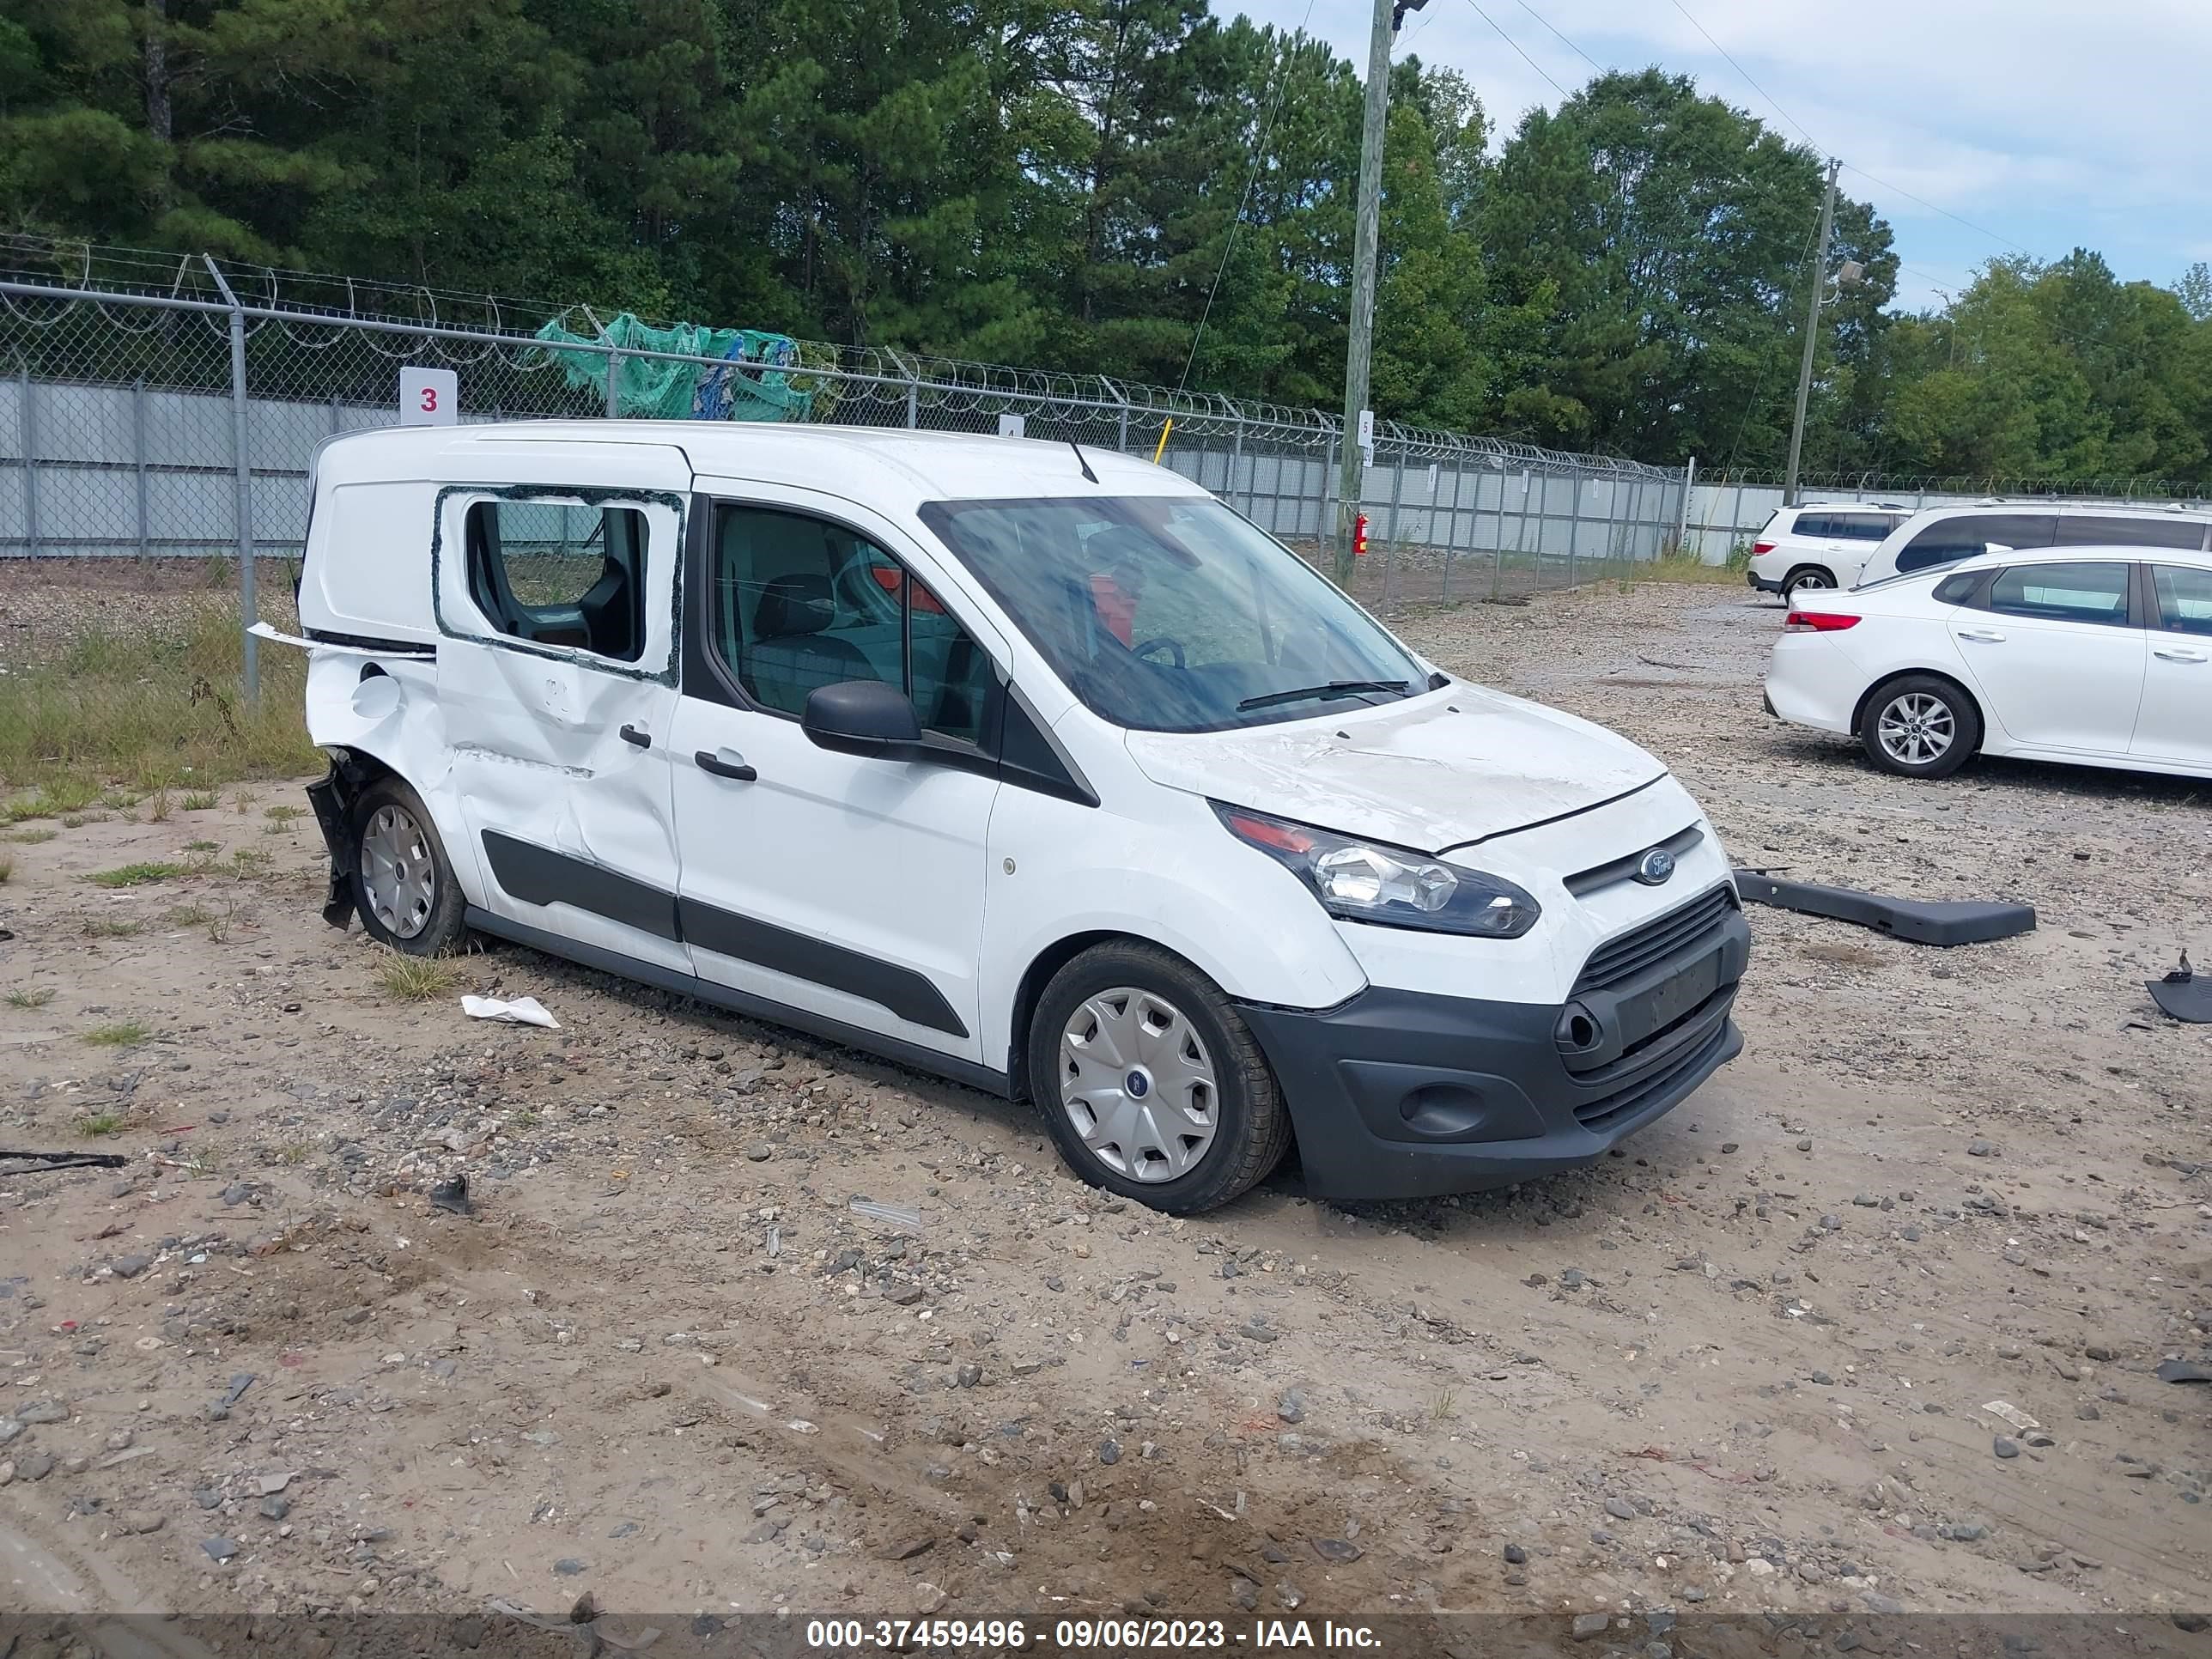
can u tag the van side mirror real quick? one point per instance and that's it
(861, 717)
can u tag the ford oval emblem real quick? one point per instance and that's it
(1655, 867)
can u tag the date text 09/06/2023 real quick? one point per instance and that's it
(986, 1636)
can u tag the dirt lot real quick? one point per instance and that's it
(1748, 1365)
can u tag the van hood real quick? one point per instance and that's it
(1430, 773)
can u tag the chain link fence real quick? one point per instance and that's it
(159, 417)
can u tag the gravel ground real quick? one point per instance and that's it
(1870, 1323)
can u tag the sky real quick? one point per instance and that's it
(2043, 124)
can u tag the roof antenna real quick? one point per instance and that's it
(1080, 462)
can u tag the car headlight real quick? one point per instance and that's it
(1361, 881)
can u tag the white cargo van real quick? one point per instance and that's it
(1033, 767)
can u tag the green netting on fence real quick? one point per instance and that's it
(754, 386)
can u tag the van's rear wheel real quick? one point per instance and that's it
(1150, 1082)
(403, 885)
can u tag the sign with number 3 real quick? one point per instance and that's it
(428, 396)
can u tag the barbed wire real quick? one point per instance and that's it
(425, 317)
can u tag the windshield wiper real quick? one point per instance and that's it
(1333, 689)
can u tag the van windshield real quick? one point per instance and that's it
(1171, 613)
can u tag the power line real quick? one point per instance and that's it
(1251, 177)
(1516, 44)
(1745, 73)
(1946, 212)
(1979, 230)
(1561, 39)
(1759, 385)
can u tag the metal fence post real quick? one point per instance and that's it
(1122, 442)
(1451, 531)
(1574, 522)
(241, 438)
(1390, 559)
(138, 462)
(1236, 460)
(29, 421)
(912, 404)
(614, 385)
(1326, 517)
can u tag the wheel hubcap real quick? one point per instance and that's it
(398, 871)
(1916, 728)
(1137, 1085)
(1811, 581)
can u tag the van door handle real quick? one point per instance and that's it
(1981, 635)
(2176, 654)
(635, 738)
(711, 761)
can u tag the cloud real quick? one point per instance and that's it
(2046, 123)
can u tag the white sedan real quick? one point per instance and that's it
(2100, 656)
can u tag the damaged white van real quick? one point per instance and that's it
(1032, 766)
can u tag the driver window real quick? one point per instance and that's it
(800, 603)
(1187, 604)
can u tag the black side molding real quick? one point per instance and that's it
(1924, 921)
(902, 990)
(739, 1002)
(540, 875)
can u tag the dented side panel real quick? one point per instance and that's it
(381, 713)
(563, 753)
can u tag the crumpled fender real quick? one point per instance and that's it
(382, 710)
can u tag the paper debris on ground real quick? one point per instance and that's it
(520, 1011)
(2008, 1412)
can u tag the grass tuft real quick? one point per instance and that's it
(99, 1124)
(134, 875)
(30, 996)
(110, 927)
(31, 837)
(119, 1034)
(7, 868)
(200, 800)
(414, 979)
(151, 701)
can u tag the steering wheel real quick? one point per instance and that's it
(1174, 646)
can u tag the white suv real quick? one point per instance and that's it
(1820, 545)
(1031, 766)
(1940, 536)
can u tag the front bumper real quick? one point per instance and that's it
(1409, 1094)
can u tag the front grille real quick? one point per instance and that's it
(1628, 954)
(1620, 1108)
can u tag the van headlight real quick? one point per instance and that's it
(1361, 881)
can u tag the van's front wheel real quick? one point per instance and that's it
(403, 885)
(1150, 1082)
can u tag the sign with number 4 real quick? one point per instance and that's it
(428, 396)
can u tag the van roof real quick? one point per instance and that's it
(922, 466)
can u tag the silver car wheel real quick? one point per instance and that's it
(1916, 729)
(398, 871)
(1137, 1084)
(1810, 579)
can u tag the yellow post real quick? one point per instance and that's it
(1161, 448)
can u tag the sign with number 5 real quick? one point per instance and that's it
(428, 396)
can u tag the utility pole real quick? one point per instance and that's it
(1812, 336)
(1351, 479)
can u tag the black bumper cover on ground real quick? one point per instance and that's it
(1404, 1094)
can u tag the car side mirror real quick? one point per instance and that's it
(861, 717)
